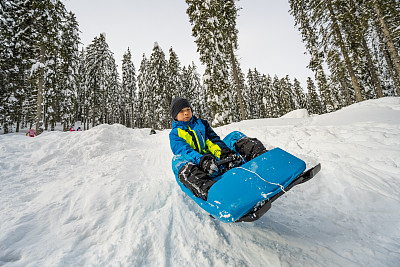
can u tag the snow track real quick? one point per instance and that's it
(107, 196)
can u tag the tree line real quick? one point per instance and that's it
(38, 55)
(359, 43)
(46, 79)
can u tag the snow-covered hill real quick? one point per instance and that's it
(107, 197)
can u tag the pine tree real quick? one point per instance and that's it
(378, 6)
(192, 89)
(239, 82)
(255, 94)
(268, 99)
(339, 76)
(83, 101)
(314, 103)
(303, 17)
(174, 77)
(128, 91)
(355, 28)
(356, 39)
(114, 93)
(202, 109)
(276, 89)
(101, 82)
(46, 17)
(145, 108)
(158, 88)
(339, 41)
(33, 36)
(320, 16)
(390, 81)
(68, 78)
(16, 56)
(299, 97)
(39, 55)
(286, 98)
(7, 63)
(213, 29)
(249, 94)
(227, 18)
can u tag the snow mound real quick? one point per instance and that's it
(383, 110)
(296, 114)
(107, 196)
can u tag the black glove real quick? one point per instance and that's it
(209, 165)
(250, 148)
(233, 159)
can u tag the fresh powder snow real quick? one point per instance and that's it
(107, 197)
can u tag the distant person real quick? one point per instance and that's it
(72, 129)
(31, 133)
(152, 131)
(79, 129)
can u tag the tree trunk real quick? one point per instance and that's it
(132, 116)
(346, 90)
(372, 69)
(388, 38)
(336, 29)
(18, 118)
(395, 80)
(342, 81)
(94, 111)
(389, 64)
(94, 104)
(374, 77)
(237, 83)
(39, 108)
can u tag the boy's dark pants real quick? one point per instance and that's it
(196, 180)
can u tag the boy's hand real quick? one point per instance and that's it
(209, 165)
(233, 158)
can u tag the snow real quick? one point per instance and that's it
(107, 196)
(36, 66)
(299, 113)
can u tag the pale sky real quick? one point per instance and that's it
(268, 40)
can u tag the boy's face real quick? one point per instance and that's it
(184, 115)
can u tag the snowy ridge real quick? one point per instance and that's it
(107, 196)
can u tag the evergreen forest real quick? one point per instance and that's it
(48, 78)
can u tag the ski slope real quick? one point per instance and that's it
(107, 197)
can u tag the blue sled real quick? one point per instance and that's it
(245, 193)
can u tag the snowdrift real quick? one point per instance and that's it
(300, 113)
(107, 196)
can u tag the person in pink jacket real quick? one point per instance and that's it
(31, 132)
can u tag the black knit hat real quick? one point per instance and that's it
(177, 105)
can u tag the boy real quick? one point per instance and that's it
(197, 148)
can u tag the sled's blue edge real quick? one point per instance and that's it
(237, 191)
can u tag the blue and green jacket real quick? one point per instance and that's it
(195, 138)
